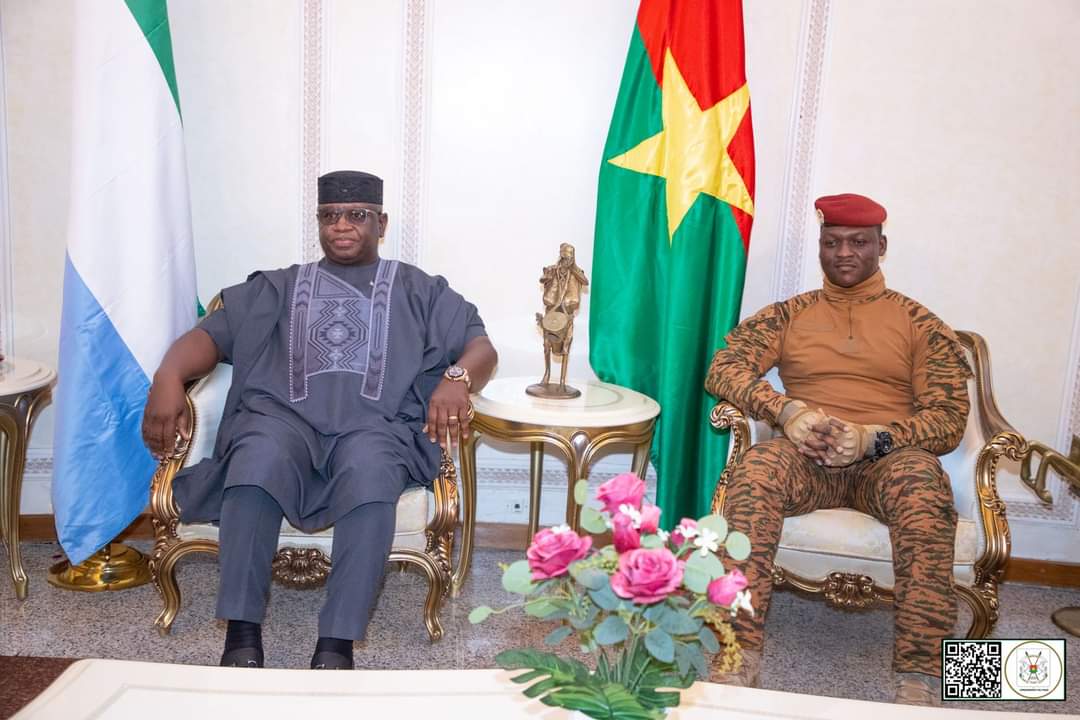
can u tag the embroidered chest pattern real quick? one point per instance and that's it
(334, 328)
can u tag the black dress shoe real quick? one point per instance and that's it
(245, 657)
(329, 660)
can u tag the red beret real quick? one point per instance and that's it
(849, 209)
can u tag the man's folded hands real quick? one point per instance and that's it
(829, 441)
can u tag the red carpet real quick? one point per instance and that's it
(22, 678)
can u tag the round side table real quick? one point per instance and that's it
(25, 388)
(602, 415)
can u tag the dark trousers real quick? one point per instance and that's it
(250, 523)
(906, 490)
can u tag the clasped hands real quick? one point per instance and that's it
(826, 440)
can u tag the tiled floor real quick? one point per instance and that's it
(810, 648)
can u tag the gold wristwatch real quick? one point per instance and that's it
(456, 373)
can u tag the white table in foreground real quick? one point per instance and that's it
(122, 690)
(602, 415)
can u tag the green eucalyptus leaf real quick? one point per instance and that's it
(708, 640)
(518, 578)
(697, 660)
(652, 541)
(716, 523)
(592, 521)
(593, 578)
(605, 597)
(581, 491)
(585, 622)
(660, 645)
(682, 660)
(653, 613)
(541, 608)
(737, 546)
(557, 635)
(695, 580)
(612, 630)
(707, 563)
(479, 614)
(679, 622)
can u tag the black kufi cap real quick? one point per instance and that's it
(350, 186)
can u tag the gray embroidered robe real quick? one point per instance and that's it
(333, 367)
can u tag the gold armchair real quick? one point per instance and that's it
(423, 536)
(845, 556)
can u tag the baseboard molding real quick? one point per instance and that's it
(514, 536)
(42, 528)
(1041, 572)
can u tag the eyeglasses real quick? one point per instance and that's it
(354, 216)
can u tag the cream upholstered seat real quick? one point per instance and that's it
(423, 535)
(845, 555)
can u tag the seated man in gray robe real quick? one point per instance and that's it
(348, 374)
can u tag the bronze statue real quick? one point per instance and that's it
(562, 283)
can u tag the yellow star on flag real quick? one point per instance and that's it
(691, 151)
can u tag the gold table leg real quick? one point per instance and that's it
(17, 416)
(536, 476)
(640, 464)
(578, 445)
(467, 457)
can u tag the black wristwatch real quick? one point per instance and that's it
(882, 443)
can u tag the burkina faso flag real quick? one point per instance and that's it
(673, 218)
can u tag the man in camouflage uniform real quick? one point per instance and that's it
(876, 389)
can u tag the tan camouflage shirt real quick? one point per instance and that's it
(864, 354)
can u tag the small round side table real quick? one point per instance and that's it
(25, 388)
(602, 415)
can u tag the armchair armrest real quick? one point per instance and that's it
(1001, 440)
(725, 416)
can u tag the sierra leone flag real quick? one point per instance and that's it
(129, 276)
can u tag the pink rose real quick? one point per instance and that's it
(624, 533)
(647, 576)
(679, 536)
(650, 519)
(553, 549)
(627, 488)
(722, 590)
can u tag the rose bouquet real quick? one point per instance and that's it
(650, 607)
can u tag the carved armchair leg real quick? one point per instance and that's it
(438, 585)
(984, 610)
(163, 572)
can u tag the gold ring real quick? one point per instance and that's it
(451, 417)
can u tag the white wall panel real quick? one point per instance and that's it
(238, 71)
(521, 98)
(37, 69)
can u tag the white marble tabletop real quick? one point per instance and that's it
(19, 375)
(599, 405)
(139, 690)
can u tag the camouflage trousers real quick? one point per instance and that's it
(906, 490)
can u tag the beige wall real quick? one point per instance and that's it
(958, 117)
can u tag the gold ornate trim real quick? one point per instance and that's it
(300, 568)
(725, 416)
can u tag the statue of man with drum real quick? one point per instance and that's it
(562, 283)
